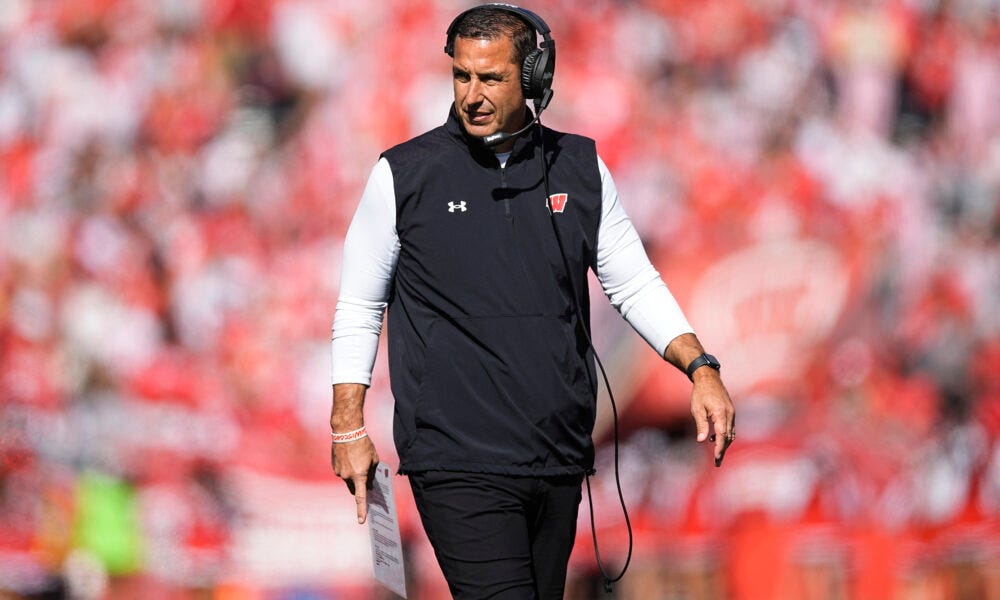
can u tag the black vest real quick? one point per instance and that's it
(490, 369)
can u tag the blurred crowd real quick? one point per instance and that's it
(818, 182)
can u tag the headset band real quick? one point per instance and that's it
(534, 21)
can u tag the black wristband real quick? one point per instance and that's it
(701, 361)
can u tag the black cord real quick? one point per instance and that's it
(608, 580)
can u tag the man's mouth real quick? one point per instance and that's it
(478, 118)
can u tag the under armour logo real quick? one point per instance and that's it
(452, 207)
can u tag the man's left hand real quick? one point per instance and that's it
(713, 412)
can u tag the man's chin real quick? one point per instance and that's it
(479, 131)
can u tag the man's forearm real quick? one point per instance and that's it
(347, 413)
(682, 350)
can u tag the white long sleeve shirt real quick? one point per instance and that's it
(371, 248)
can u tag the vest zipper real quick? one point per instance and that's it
(506, 200)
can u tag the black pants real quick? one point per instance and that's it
(497, 536)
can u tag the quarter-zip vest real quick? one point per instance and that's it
(489, 367)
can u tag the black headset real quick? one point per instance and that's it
(538, 66)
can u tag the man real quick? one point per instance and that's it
(491, 366)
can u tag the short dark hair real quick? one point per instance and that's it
(489, 23)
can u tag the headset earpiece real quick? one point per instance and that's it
(528, 80)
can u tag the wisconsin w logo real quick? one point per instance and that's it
(557, 202)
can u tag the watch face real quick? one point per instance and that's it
(713, 362)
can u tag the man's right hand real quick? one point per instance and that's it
(355, 462)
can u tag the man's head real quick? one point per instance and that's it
(489, 23)
(488, 48)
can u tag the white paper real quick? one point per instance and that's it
(383, 526)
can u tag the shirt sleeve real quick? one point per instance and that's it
(371, 249)
(630, 281)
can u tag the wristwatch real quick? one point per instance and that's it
(701, 361)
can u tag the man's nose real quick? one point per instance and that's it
(475, 95)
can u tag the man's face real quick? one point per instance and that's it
(488, 95)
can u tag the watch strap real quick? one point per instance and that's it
(700, 361)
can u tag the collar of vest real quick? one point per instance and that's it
(482, 153)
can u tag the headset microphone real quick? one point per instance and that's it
(495, 139)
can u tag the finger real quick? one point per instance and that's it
(719, 457)
(371, 472)
(720, 453)
(721, 427)
(721, 420)
(723, 441)
(360, 498)
(701, 423)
